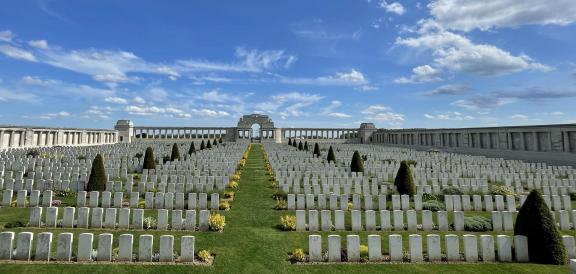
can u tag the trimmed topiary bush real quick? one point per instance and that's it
(97, 180)
(535, 221)
(175, 153)
(331, 157)
(289, 142)
(316, 150)
(306, 145)
(202, 145)
(433, 205)
(295, 144)
(215, 143)
(208, 145)
(300, 146)
(477, 224)
(357, 164)
(149, 162)
(220, 140)
(404, 181)
(192, 149)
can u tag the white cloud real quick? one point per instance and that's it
(210, 113)
(457, 53)
(519, 117)
(41, 44)
(382, 113)
(12, 95)
(116, 100)
(288, 104)
(422, 74)
(482, 102)
(157, 94)
(467, 15)
(454, 116)
(6, 35)
(37, 81)
(264, 60)
(17, 53)
(139, 100)
(347, 78)
(339, 115)
(219, 97)
(366, 88)
(394, 7)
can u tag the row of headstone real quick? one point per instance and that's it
(158, 200)
(333, 201)
(396, 220)
(22, 198)
(502, 249)
(21, 247)
(113, 218)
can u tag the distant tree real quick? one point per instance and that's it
(404, 181)
(175, 153)
(149, 161)
(357, 164)
(208, 144)
(289, 141)
(545, 245)
(306, 145)
(331, 157)
(192, 149)
(202, 145)
(215, 143)
(97, 180)
(316, 150)
(300, 146)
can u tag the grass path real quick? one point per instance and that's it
(251, 243)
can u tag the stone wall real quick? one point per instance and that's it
(555, 144)
(29, 137)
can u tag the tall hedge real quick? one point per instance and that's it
(300, 146)
(149, 161)
(192, 149)
(331, 157)
(535, 221)
(97, 180)
(404, 181)
(202, 145)
(306, 145)
(316, 150)
(289, 142)
(357, 164)
(175, 153)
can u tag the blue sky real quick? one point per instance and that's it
(398, 64)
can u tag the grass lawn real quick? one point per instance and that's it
(251, 243)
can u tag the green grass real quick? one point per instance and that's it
(251, 243)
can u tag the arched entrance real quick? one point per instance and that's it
(255, 133)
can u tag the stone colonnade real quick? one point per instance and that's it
(552, 138)
(180, 132)
(320, 133)
(16, 137)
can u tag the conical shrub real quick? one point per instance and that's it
(289, 142)
(300, 146)
(97, 180)
(202, 145)
(220, 140)
(149, 161)
(208, 144)
(316, 150)
(215, 143)
(175, 153)
(331, 157)
(306, 145)
(535, 221)
(404, 181)
(192, 149)
(295, 144)
(357, 164)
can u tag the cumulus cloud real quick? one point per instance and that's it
(421, 74)
(116, 100)
(393, 7)
(382, 113)
(457, 53)
(467, 15)
(288, 104)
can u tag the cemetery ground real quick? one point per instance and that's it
(252, 243)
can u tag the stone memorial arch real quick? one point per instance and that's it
(264, 130)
